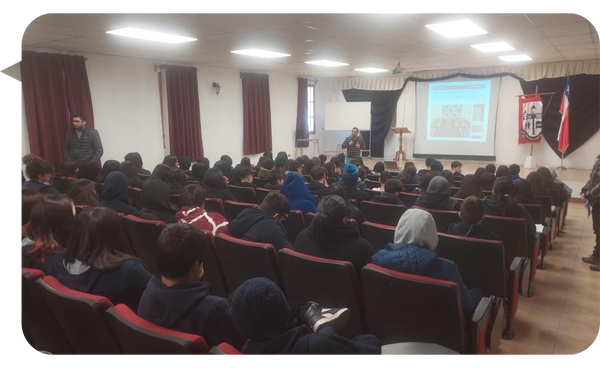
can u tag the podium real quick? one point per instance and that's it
(400, 131)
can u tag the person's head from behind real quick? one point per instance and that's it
(514, 169)
(336, 161)
(128, 168)
(417, 227)
(98, 240)
(323, 159)
(83, 192)
(393, 186)
(470, 187)
(333, 211)
(227, 159)
(281, 162)
(384, 177)
(29, 198)
(108, 167)
(275, 205)
(198, 170)
(341, 159)
(246, 162)
(171, 161)
(50, 225)
(357, 161)
(268, 154)
(179, 178)
(136, 158)
(162, 172)
(193, 195)
(491, 168)
(37, 169)
(69, 169)
(379, 167)
(536, 182)
(472, 211)
(456, 166)
(276, 178)
(331, 169)
(480, 171)
(294, 166)
(436, 166)
(502, 171)
(336, 189)
(503, 187)
(546, 177)
(204, 160)
(523, 191)
(350, 175)
(88, 170)
(408, 174)
(179, 253)
(78, 122)
(246, 175)
(354, 132)
(308, 164)
(318, 174)
(409, 163)
(185, 162)
(214, 180)
(428, 162)
(487, 180)
(447, 174)
(425, 180)
(268, 164)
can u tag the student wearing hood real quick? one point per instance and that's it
(136, 158)
(436, 166)
(297, 193)
(350, 181)
(184, 163)
(437, 196)
(115, 194)
(413, 252)
(225, 165)
(156, 204)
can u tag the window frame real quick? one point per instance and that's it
(311, 96)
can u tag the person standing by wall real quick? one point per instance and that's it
(591, 193)
(354, 144)
(82, 143)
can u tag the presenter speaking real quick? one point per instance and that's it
(354, 144)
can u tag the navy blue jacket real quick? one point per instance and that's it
(255, 225)
(295, 191)
(115, 194)
(40, 187)
(316, 188)
(388, 198)
(471, 231)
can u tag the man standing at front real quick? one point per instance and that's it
(354, 144)
(82, 143)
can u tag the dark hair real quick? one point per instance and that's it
(170, 161)
(487, 180)
(246, 162)
(318, 172)
(244, 172)
(330, 166)
(29, 198)
(537, 184)
(308, 164)
(470, 187)
(294, 166)
(192, 195)
(83, 192)
(185, 162)
(161, 172)
(546, 177)
(198, 170)
(98, 240)
(136, 158)
(425, 179)
(68, 169)
(428, 161)
(332, 210)
(341, 159)
(491, 168)
(379, 167)
(409, 163)
(336, 189)
(523, 192)
(179, 179)
(455, 164)
(36, 166)
(393, 186)
(357, 161)
(362, 173)
(384, 176)
(408, 174)
(204, 160)
(269, 154)
(177, 248)
(129, 169)
(323, 159)
(268, 164)
(480, 171)
(502, 171)
(281, 161)
(304, 159)
(227, 159)
(50, 225)
(275, 203)
(213, 180)
(89, 170)
(437, 166)
(80, 116)
(275, 176)
(447, 174)
(108, 167)
(336, 161)
(514, 169)
(503, 189)
(472, 210)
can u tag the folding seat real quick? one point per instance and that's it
(261, 193)
(134, 197)
(135, 335)
(372, 184)
(213, 272)
(233, 208)
(453, 191)
(62, 184)
(377, 234)
(400, 307)
(308, 218)
(243, 194)
(372, 193)
(80, 316)
(175, 199)
(408, 188)
(408, 199)
(80, 207)
(260, 182)
(330, 283)
(243, 260)
(294, 224)
(99, 188)
(143, 177)
(224, 348)
(214, 205)
(143, 235)
(382, 213)
(442, 218)
(40, 328)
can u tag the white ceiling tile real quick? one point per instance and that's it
(571, 39)
(31, 37)
(541, 20)
(581, 54)
(579, 46)
(567, 29)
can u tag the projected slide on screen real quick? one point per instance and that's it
(458, 111)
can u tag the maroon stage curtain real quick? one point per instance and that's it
(54, 88)
(302, 114)
(185, 135)
(257, 113)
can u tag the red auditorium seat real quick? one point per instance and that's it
(214, 205)
(377, 234)
(213, 272)
(224, 348)
(143, 177)
(294, 224)
(308, 218)
(453, 191)
(134, 197)
(442, 218)
(382, 213)
(408, 188)
(62, 184)
(371, 193)
(408, 199)
(243, 194)
(260, 182)
(373, 177)
(143, 234)
(261, 193)
(233, 208)
(372, 184)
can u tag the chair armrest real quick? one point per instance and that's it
(479, 326)
(513, 286)
(525, 275)
(494, 331)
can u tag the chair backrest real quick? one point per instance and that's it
(134, 197)
(372, 183)
(546, 203)
(377, 234)
(138, 336)
(214, 205)
(81, 317)
(80, 208)
(330, 283)
(261, 193)
(62, 184)
(243, 260)
(480, 262)
(408, 308)
(175, 199)
(143, 235)
(308, 218)
(408, 188)
(373, 177)
(224, 349)
(233, 208)
(243, 194)
(294, 224)
(453, 191)
(513, 234)
(408, 199)
(442, 218)
(554, 194)
(371, 193)
(535, 211)
(260, 182)
(213, 272)
(382, 213)
(143, 177)
(40, 328)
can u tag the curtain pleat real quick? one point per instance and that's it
(257, 113)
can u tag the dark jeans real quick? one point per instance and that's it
(596, 226)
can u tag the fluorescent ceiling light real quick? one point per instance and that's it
(461, 28)
(325, 63)
(493, 47)
(260, 53)
(512, 58)
(371, 70)
(150, 35)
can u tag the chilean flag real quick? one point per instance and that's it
(563, 131)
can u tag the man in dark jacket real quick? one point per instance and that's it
(392, 188)
(591, 194)
(318, 185)
(354, 144)
(82, 143)
(180, 300)
(263, 225)
(472, 213)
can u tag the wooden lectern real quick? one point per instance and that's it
(400, 131)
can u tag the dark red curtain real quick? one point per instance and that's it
(257, 113)
(185, 134)
(54, 88)
(302, 114)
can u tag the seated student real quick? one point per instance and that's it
(470, 187)
(330, 235)
(393, 187)
(362, 176)
(480, 171)
(378, 168)
(266, 168)
(263, 224)
(95, 261)
(246, 176)
(428, 162)
(244, 163)
(161, 172)
(68, 169)
(332, 171)
(281, 163)
(50, 225)
(549, 183)
(205, 161)
(449, 177)
(514, 170)
(108, 167)
(436, 166)
(437, 196)
(424, 183)
(39, 172)
(89, 170)
(523, 192)
(358, 162)
(339, 190)
(410, 176)
(184, 163)
(297, 194)
(568, 189)
(383, 177)
(323, 159)
(500, 203)
(456, 167)
(115, 194)
(83, 192)
(537, 184)
(341, 160)
(136, 158)
(261, 160)
(486, 180)
(193, 212)
(318, 185)
(29, 198)
(306, 166)
(224, 164)
(491, 168)
(262, 314)
(155, 201)
(472, 213)
(350, 181)
(502, 171)
(198, 170)
(180, 299)
(413, 252)
(216, 185)
(177, 182)
(294, 167)
(275, 180)
(128, 168)
(171, 161)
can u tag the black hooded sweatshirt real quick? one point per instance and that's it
(388, 198)
(494, 207)
(471, 231)
(115, 194)
(437, 196)
(254, 225)
(156, 204)
(316, 188)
